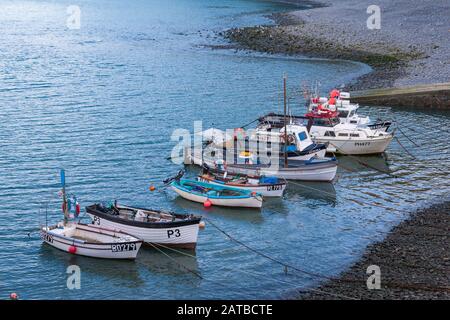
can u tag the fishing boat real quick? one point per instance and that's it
(343, 138)
(264, 185)
(340, 101)
(346, 138)
(152, 226)
(91, 241)
(306, 170)
(298, 143)
(87, 240)
(214, 194)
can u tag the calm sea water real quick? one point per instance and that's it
(103, 101)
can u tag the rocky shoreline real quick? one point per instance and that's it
(414, 261)
(402, 52)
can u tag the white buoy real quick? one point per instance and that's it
(201, 225)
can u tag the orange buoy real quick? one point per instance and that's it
(152, 188)
(201, 225)
(207, 203)
(72, 249)
(14, 296)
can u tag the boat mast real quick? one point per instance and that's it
(63, 183)
(285, 121)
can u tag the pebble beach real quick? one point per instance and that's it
(410, 48)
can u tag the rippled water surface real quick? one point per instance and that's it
(103, 101)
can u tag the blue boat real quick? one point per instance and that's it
(219, 195)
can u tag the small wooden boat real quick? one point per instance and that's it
(91, 241)
(218, 195)
(152, 226)
(87, 240)
(266, 186)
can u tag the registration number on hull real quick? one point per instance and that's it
(120, 247)
(275, 187)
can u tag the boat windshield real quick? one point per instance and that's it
(326, 122)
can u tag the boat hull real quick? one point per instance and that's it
(248, 202)
(356, 147)
(275, 190)
(322, 173)
(184, 236)
(119, 250)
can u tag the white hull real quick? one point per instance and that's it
(118, 250)
(320, 174)
(356, 146)
(266, 191)
(250, 202)
(179, 236)
(317, 154)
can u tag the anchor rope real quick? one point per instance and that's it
(390, 284)
(180, 264)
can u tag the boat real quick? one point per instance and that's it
(152, 226)
(213, 194)
(264, 185)
(314, 169)
(306, 170)
(299, 145)
(87, 240)
(343, 138)
(340, 101)
(91, 241)
(347, 139)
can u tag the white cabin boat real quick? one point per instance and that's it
(344, 138)
(299, 144)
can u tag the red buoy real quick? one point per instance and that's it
(72, 249)
(207, 203)
(152, 188)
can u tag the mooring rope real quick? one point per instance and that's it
(180, 264)
(416, 286)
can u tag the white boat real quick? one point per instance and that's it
(152, 226)
(343, 138)
(266, 186)
(299, 145)
(91, 241)
(305, 170)
(203, 192)
(314, 169)
(340, 101)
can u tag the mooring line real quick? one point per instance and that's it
(180, 264)
(401, 131)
